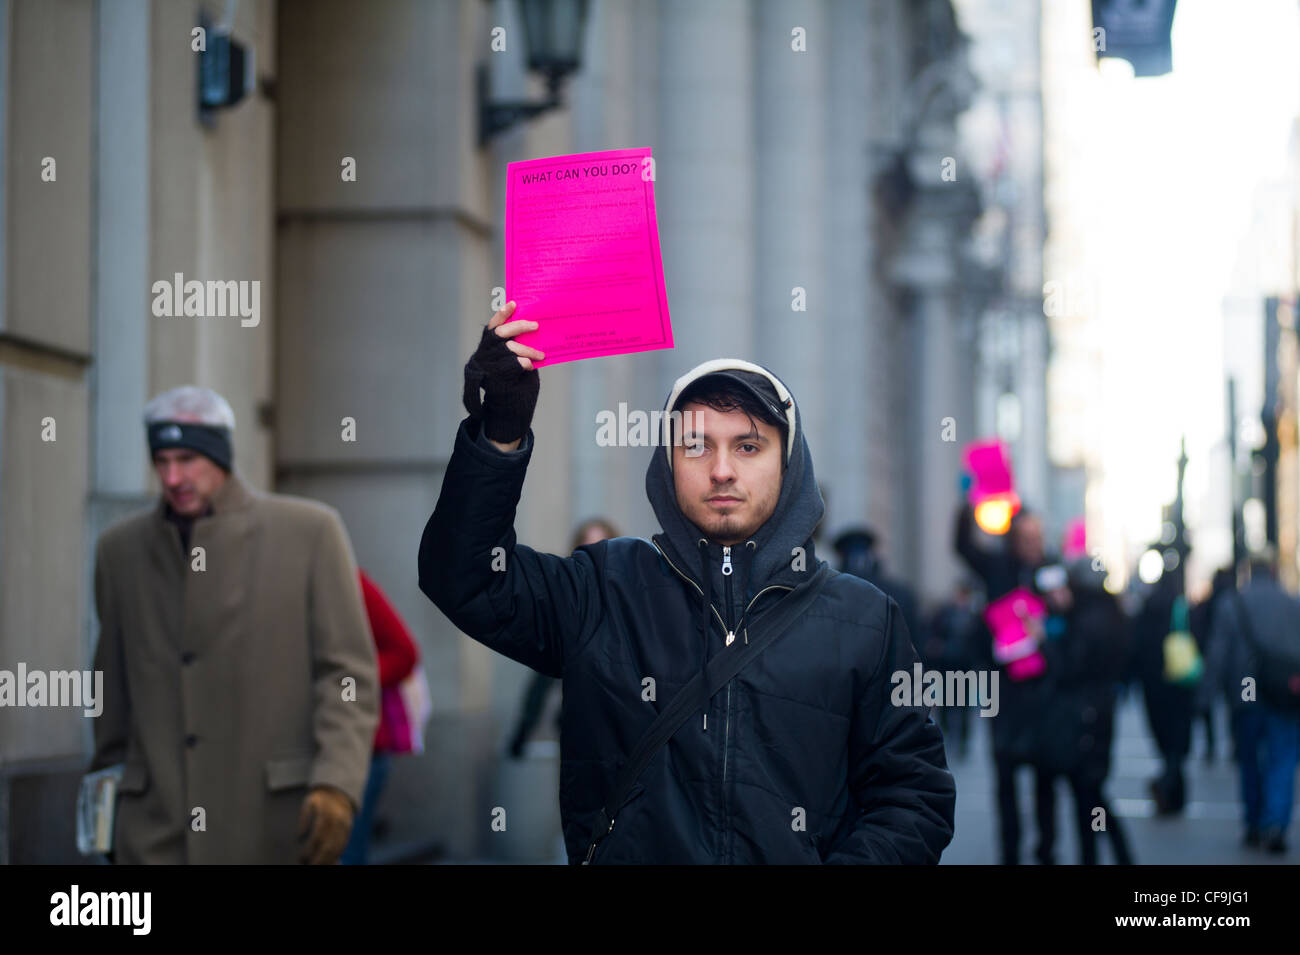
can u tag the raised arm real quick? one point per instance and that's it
(979, 560)
(534, 608)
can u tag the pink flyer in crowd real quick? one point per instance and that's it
(582, 255)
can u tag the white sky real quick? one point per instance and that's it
(1180, 159)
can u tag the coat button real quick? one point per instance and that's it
(191, 740)
(187, 658)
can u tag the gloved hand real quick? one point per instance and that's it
(510, 388)
(325, 823)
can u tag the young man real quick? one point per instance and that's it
(802, 757)
(239, 674)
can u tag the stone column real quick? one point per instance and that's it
(928, 266)
(791, 213)
(383, 285)
(46, 238)
(614, 100)
(705, 184)
(849, 338)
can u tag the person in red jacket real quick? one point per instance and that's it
(398, 656)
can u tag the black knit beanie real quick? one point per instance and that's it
(212, 441)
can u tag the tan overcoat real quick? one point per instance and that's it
(234, 679)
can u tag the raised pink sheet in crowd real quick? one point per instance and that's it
(582, 255)
(989, 463)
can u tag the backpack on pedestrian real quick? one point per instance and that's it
(1277, 661)
(1183, 663)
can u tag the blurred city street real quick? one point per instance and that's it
(1208, 832)
(345, 486)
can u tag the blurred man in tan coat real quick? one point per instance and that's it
(240, 683)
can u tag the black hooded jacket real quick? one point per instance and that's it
(802, 758)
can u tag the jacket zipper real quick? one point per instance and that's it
(726, 573)
(721, 623)
(726, 804)
(726, 722)
(731, 636)
(726, 577)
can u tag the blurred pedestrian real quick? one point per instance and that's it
(1201, 618)
(1017, 729)
(948, 644)
(240, 687)
(1169, 699)
(1083, 671)
(398, 655)
(859, 556)
(1255, 660)
(539, 687)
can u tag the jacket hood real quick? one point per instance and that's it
(769, 557)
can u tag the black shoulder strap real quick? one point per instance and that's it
(718, 673)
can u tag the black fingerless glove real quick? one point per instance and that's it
(510, 390)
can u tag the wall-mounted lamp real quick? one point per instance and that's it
(553, 32)
(225, 71)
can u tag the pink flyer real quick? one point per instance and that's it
(582, 255)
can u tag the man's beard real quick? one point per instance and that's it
(728, 527)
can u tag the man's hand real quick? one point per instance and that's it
(325, 823)
(504, 370)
